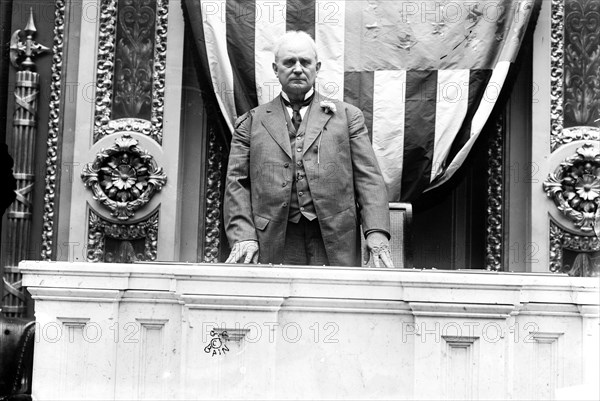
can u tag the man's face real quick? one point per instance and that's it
(296, 67)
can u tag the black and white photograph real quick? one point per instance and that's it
(299, 200)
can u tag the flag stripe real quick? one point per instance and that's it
(388, 127)
(488, 97)
(270, 25)
(478, 80)
(329, 35)
(216, 51)
(419, 134)
(358, 90)
(300, 16)
(452, 105)
(240, 17)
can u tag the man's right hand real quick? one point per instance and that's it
(244, 249)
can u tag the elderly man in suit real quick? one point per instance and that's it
(302, 175)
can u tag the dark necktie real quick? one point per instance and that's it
(296, 116)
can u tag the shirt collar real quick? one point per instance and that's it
(306, 96)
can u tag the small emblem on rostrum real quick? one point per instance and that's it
(217, 344)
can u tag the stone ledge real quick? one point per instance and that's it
(185, 280)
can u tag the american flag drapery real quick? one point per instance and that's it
(425, 73)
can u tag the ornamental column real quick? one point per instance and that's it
(23, 49)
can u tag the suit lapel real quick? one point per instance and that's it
(275, 123)
(316, 122)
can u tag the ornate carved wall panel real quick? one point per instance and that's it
(574, 254)
(124, 179)
(124, 168)
(132, 78)
(573, 182)
(129, 89)
(121, 243)
(582, 63)
(108, 100)
(575, 93)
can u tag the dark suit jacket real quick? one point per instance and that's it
(343, 176)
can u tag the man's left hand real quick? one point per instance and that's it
(378, 247)
(244, 250)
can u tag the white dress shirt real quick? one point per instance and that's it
(303, 109)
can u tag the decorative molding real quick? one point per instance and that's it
(106, 60)
(213, 198)
(560, 240)
(54, 124)
(582, 62)
(462, 310)
(160, 67)
(568, 135)
(106, 80)
(499, 295)
(556, 71)
(495, 193)
(124, 177)
(575, 187)
(74, 321)
(99, 229)
(136, 125)
(230, 334)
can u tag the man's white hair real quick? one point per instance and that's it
(291, 36)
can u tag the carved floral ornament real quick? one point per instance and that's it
(575, 188)
(124, 177)
(100, 229)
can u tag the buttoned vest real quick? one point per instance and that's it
(301, 202)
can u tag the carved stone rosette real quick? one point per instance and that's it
(124, 177)
(125, 78)
(99, 230)
(575, 187)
